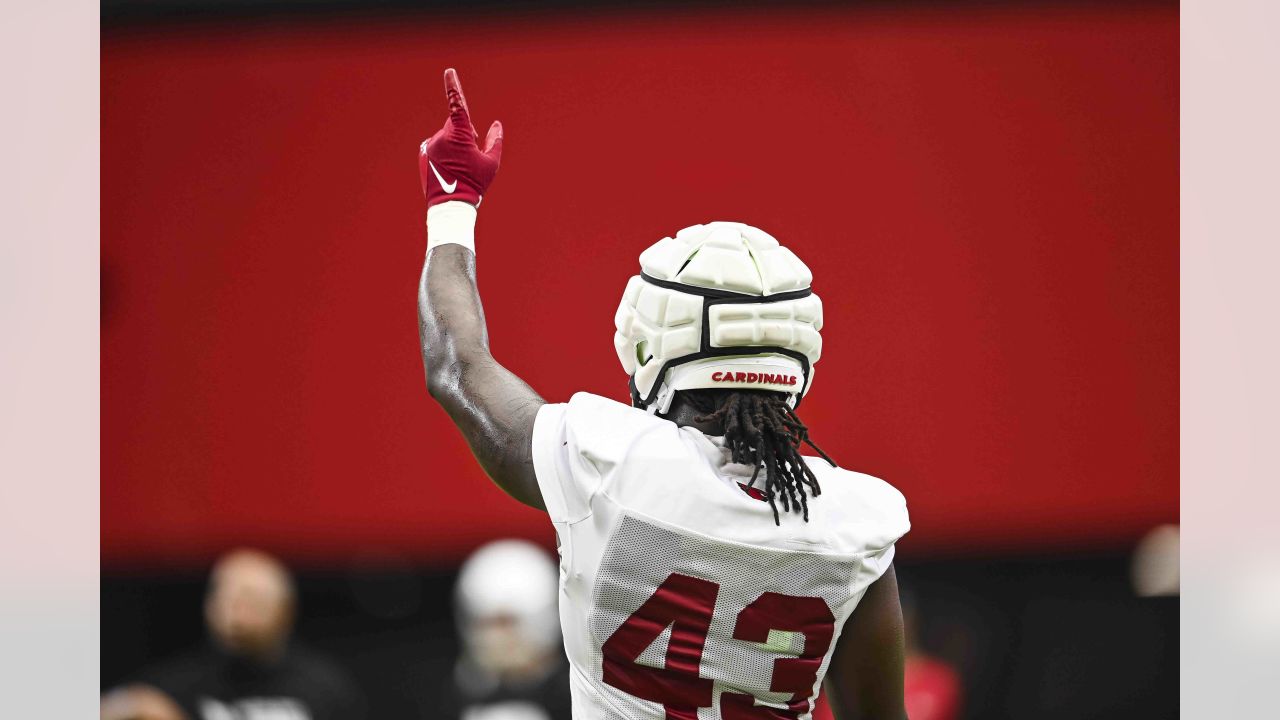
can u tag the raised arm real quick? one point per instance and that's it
(865, 679)
(492, 407)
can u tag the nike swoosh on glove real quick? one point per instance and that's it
(450, 164)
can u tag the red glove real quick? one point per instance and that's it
(450, 164)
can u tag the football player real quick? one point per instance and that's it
(708, 569)
(511, 666)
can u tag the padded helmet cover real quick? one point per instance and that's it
(721, 305)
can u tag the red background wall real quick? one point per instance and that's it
(988, 199)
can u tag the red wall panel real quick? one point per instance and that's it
(988, 199)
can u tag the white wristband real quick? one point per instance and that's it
(452, 222)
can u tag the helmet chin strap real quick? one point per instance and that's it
(662, 402)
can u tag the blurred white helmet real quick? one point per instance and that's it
(721, 305)
(506, 604)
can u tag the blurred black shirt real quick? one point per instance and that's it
(211, 685)
(478, 695)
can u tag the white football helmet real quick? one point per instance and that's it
(506, 604)
(721, 305)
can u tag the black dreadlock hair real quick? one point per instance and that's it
(760, 429)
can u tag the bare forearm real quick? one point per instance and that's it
(493, 408)
(451, 321)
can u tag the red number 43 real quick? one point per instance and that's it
(686, 604)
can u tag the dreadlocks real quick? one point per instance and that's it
(761, 430)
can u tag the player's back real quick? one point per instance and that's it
(680, 597)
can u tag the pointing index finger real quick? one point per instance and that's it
(458, 112)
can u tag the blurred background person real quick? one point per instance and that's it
(250, 670)
(512, 665)
(140, 702)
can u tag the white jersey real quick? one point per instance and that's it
(679, 596)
